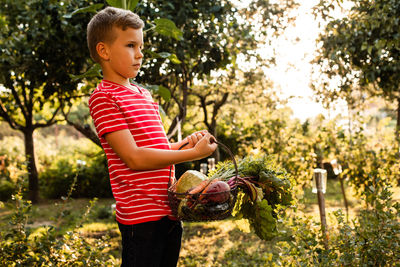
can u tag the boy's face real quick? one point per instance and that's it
(125, 53)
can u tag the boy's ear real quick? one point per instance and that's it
(102, 51)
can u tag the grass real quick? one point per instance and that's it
(221, 244)
(218, 243)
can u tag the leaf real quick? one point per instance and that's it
(164, 92)
(364, 46)
(125, 4)
(94, 71)
(172, 57)
(168, 28)
(91, 8)
(215, 9)
(117, 3)
(150, 53)
(250, 189)
(372, 188)
(132, 4)
(164, 54)
(160, 90)
(162, 111)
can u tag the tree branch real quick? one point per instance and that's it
(3, 113)
(51, 121)
(24, 93)
(83, 129)
(86, 131)
(204, 107)
(19, 103)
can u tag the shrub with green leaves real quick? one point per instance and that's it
(12, 165)
(20, 246)
(89, 164)
(371, 239)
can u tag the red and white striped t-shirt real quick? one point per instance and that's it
(141, 196)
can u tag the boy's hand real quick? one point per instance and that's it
(205, 146)
(193, 139)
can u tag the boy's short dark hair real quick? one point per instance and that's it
(100, 27)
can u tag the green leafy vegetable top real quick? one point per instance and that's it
(263, 188)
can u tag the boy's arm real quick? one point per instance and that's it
(138, 158)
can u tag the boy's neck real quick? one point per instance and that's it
(124, 82)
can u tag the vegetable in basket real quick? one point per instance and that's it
(189, 180)
(262, 189)
(200, 198)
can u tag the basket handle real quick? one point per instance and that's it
(212, 140)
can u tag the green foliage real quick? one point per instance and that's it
(39, 49)
(376, 234)
(212, 35)
(7, 189)
(125, 4)
(20, 246)
(368, 164)
(91, 171)
(299, 148)
(274, 133)
(12, 166)
(92, 8)
(259, 214)
(103, 212)
(36, 64)
(372, 239)
(59, 158)
(168, 28)
(360, 50)
(274, 190)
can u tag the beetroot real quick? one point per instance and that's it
(218, 192)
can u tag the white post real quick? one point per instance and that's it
(320, 184)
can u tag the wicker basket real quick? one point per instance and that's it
(192, 207)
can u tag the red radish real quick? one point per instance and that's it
(217, 192)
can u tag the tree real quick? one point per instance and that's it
(79, 118)
(215, 35)
(362, 49)
(207, 38)
(39, 49)
(238, 89)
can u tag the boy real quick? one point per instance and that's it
(139, 155)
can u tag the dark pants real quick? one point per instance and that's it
(151, 244)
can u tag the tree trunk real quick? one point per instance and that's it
(182, 111)
(398, 122)
(33, 193)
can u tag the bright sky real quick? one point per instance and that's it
(292, 74)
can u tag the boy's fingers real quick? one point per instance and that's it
(202, 132)
(209, 137)
(190, 140)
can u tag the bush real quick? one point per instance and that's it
(7, 188)
(20, 246)
(372, 239)
(89, 166)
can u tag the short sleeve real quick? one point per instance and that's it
(106, 114)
